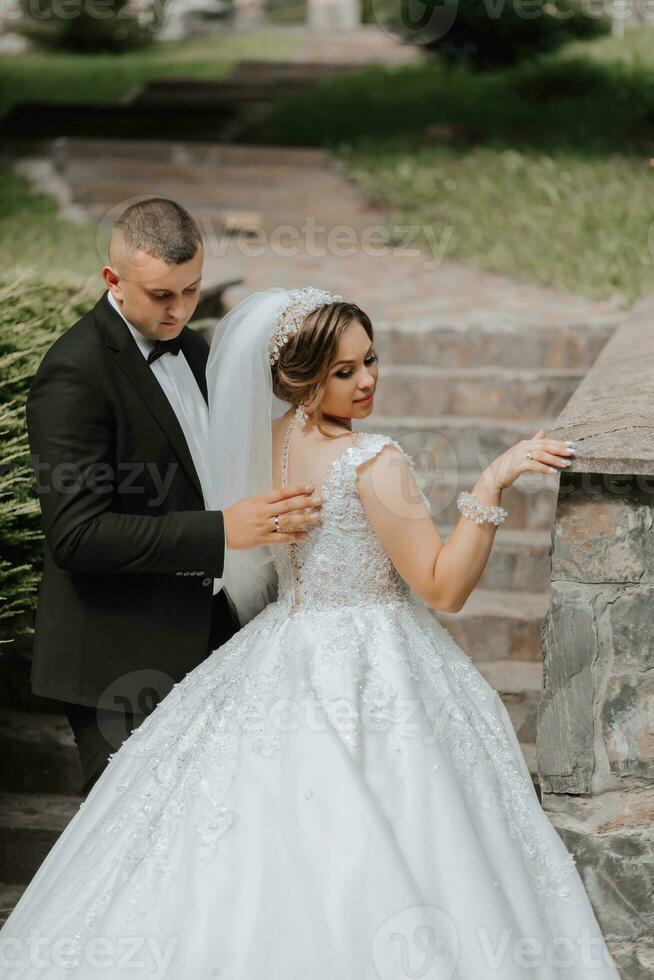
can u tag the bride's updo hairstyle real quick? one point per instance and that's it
(305, 360)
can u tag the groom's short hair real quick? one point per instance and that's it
(160, 227)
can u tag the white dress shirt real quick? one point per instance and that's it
(180, 387)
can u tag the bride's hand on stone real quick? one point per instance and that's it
(250, 523)
(546, 456)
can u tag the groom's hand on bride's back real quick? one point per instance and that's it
(250, 523)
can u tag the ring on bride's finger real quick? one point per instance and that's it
(276, 520)
(530, 454)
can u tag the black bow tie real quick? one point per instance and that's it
(165, 346)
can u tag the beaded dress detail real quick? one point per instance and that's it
(336, 793)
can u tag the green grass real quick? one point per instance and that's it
(32, 314)
(31, 235)
(63, 77)
(584, 226)
(35, 241)
(554, 102)
(635, 48)
(541, 172)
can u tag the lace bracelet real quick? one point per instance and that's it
(472, 508)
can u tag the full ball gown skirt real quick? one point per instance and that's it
(336, 793)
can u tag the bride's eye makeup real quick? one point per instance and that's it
(344, 373)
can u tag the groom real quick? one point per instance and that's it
(131, 598)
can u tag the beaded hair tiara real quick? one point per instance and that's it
(290, 318)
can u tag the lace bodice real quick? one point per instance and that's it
(341, 561)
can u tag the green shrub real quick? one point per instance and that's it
(551, 102)
(87, 26)
(491, 33)
(32, 315)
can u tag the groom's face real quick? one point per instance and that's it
(157, 297)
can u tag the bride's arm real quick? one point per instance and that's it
(443, 574)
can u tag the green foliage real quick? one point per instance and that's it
(33, 238)
(64, 76)
(32, 315)
(555, 102)
(488, 34)
(87, 25)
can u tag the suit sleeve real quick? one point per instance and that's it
(71, 437)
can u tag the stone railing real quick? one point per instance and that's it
(595, 740)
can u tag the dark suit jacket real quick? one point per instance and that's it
(126, 600)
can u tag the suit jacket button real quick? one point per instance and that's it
(207, 581)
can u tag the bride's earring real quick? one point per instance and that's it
(300, 414)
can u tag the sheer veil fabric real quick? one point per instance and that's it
(242, 407)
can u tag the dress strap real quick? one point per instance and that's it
(370, 444)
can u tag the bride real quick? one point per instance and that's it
(336, 793)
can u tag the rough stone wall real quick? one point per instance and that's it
(595, 738)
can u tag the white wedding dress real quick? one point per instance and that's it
(336, 793)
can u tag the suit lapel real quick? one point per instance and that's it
(197, 360)
(131, 360)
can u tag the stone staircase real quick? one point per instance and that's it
(470, 362)
(40, 787)
(213, 110)
(455, 400)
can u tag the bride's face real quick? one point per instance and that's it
(352, 379)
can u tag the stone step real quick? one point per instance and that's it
(519, 561)
(530, 501)
(496, 392)
(519, 685)
(9, 895)
(513, 677)
(218, 224)
(446, 342)
(42, 120)
(365, 44)
(299, 198)
(40, 754)
(177, 151)
(251, 67)
(239, 176)
(206, 94)
(495, 625)
(453, 442)
(30, 823)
